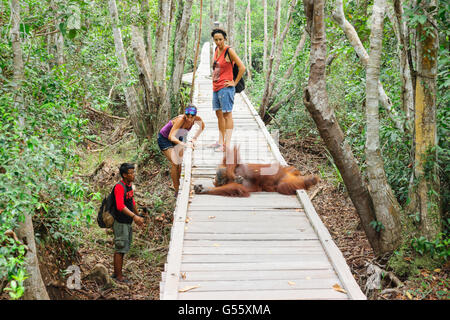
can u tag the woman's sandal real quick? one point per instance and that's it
(220, 148)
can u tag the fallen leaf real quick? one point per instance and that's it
(216, 245)
(338, 288)
(308, 278)
(291, 283)
(437, 270)
(211, 217)
(188, 288)
(409, 295)
(183, 275)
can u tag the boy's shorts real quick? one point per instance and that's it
(123, 235)
(224, 99)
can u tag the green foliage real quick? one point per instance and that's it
(377, 225)
(439, 247)
(42, 123)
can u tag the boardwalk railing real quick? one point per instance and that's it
(267, 246)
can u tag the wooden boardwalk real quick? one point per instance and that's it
(267, 246)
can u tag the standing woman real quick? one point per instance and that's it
(223, 86)
(171, 137)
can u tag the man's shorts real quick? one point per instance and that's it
(164, 143)
(123, 235)
(224, 99)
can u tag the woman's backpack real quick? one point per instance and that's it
(106, 213)
(240, 86)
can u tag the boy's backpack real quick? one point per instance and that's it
(240, 86)
(106, 213)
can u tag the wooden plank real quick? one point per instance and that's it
(243, 227)
(269, 250)
(264, 212)
(251, 285)
(250, 218)
(261, 275)
(333, 252)
(240, 266)
(251, 243)
(280, 225)
(317, 257)
(269, 212)
(251, 202)
(254, 236)
(307, 294)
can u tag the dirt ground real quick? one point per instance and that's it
(145, 262)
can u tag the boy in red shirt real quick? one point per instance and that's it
(125, 213)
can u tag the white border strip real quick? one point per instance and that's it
(172, 277)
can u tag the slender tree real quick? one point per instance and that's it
(266, 40)
(395, 14)
(231, 23)
(197, 49)
(249, 64)
(274, 64)
(135, 107)
(424, 192)
(211, 47)
(265, 97)
(34, 285)
(339, 17)
(315, 99)
(386, 207)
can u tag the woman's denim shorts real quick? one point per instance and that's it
(224, 99)
(164, 143)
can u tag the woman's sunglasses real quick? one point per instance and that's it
(214, 64)
(190, 111)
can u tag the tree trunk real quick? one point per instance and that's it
(146, 80)
(220, 11)
(245, 37)
(271, 108)
(34, 285)
(339, 17)
(316, 101)
(135, 108)
(386, 207)
(180, 49)
(58, 39)
(249, 64)
(274, 63)
(18, 75)
(197, 49)
(265, 97)
(211, 49)
(145, 11)
(266, 40)
(425, 191)
(404, 53)
(230, 24)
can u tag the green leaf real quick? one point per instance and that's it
(72, 33)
